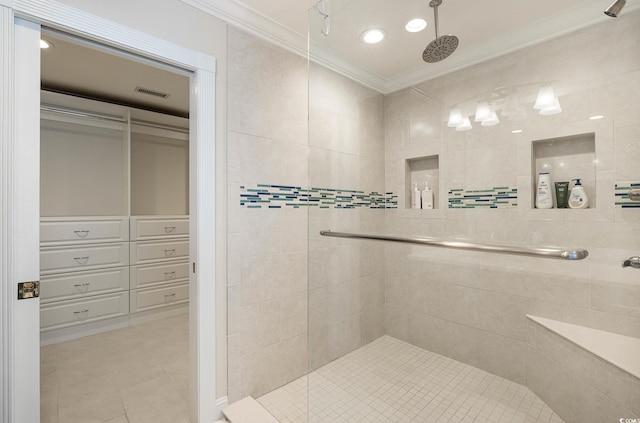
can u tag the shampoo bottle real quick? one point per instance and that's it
(578, 198)
(544, 197)
(415, 197)
(427, 197)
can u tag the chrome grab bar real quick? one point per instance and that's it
(554, 253)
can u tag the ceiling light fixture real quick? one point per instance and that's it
(44, 44)
(416, 25)
(596, 117)
(516, 131)
(615, 8)
(373, 36)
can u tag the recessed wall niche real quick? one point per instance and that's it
(566, 158)
(420, 170)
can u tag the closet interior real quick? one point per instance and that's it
(114, 206)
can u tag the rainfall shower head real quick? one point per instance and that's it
(441, 47)
(615, 8)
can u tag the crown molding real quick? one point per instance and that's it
(254, 22)
(588, 12)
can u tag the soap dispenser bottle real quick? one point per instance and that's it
(578, 198)
(415, 197)
(427, 197)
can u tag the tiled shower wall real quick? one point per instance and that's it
(272, 251)
(472, 306)
(346, 277)
(267, 249)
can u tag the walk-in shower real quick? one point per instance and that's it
(400, 329)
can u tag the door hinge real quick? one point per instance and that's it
(194, 267)
(28, 290)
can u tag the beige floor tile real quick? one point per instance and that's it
(129, 374)
(178, 371)
(119, 419)
(145, 397)
(89, 407)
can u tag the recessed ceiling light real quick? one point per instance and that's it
(596, 117)
(416, 25)
(44, 44)
(516, 131)
(373, 36)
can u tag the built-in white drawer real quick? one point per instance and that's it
(85, 257)
(155, 251)
(66, 286)
(63, 314)
(159, 274)
(54, 231)
(153, 298)
(165, 227)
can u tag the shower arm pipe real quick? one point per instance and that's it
(552, 253)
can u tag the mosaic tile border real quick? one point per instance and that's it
(492, 198)
(266, 196)
(621, 190)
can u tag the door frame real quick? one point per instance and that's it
(13, 362)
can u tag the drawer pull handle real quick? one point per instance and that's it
(81, 234)
(82, 285)
(169, 253)
(169, 275)
(169, 229)
(81, 311)
(82, 260)
(170, 295)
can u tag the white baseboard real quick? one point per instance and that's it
(221, 403)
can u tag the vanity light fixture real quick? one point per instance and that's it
(516, 131)
(373, 36)
(455, 118)
(596, 117)
(547, 102)
(465, 125)
(416, 25)
(492, 120)
(483, 112)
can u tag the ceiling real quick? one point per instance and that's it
(82, 68)
(486, 29)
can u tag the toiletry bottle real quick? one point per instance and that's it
(415, 197)
(578, 198)
(544, 197)
(562, 195)
(427, 197)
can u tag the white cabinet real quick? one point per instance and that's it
(83, 257)
(62, 314)
(75, 231)
(154, 298)
(159, 265)
(66, 286)
(158, 227)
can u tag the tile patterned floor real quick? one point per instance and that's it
(392, 381)
(137, 374)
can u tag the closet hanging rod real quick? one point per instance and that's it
(82, 114)
(553, 253)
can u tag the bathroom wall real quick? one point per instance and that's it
(472, 306)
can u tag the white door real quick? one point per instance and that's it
(20, 218)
